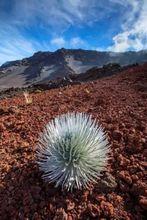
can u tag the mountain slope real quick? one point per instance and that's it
(44, 66)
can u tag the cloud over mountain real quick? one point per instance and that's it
(28, 26)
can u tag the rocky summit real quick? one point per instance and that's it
(44, 66)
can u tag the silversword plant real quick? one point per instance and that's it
(72, 151)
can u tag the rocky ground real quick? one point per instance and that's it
(119, 102)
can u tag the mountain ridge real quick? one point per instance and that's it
(43, 66)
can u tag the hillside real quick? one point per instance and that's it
(43, 66)
(119, 102)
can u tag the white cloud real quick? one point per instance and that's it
(76, 42)
(14, 46)
(100, 49)
(134, 30)
(56, 16)
(58, 42)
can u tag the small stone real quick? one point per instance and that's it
(124, 175)
(139, 188)
(134, 177)
(85, 195)
(123, 161)
(36, 216)
(100, 198)
(107, 183)
(143, 202)
(2, 127)
(2, 111)
(107, 208)
(143, 163)
(13, 109)
(60, 214)
(94, 210)
(117, 135)
(70, 205)
(69, 217)
(25, 144)
(118, 200)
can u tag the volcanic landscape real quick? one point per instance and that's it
(119, 103)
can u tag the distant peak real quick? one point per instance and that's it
(61, 50)
(41, 52)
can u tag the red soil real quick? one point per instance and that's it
(120, 104)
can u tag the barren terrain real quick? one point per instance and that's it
(119, 103)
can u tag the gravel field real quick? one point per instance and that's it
(120, 104)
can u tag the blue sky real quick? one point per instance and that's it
(27, 26)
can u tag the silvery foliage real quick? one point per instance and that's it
(72, 151)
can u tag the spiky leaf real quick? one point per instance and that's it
(72, 151)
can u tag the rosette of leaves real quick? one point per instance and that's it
(72, 151)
